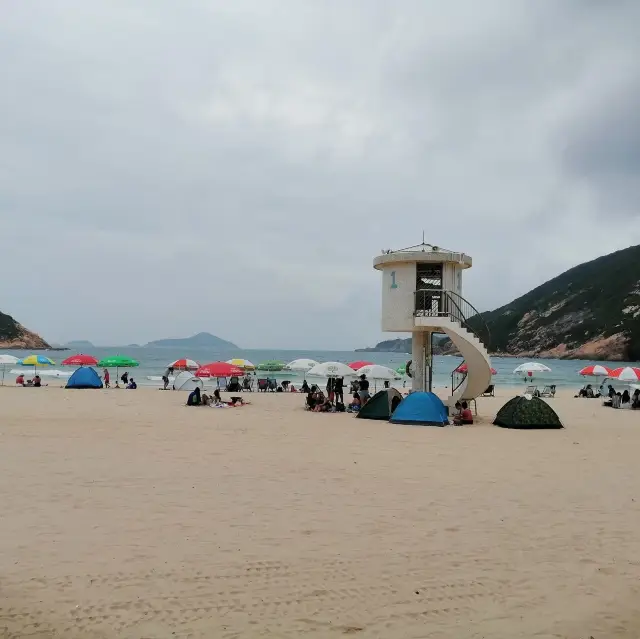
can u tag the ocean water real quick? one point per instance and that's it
(153, 362)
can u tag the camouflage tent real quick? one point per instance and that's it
(525, 412)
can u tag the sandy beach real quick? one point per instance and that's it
(126, 514)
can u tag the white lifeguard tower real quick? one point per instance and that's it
(422, 295)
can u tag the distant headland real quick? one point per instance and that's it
(201, 340)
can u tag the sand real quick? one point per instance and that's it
(126, 514)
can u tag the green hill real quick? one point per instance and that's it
(591, 311)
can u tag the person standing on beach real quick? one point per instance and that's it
(125, 378)
(105, 375)
(363, 393)
(338, 389)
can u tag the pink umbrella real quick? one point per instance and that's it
(626, 374)
(219, 369)
(596, 370)
(463, 369)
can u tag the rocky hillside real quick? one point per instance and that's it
(442, 345)
(14, 335)
(591, 311)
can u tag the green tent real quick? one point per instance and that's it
(381, 405)
(522, 412)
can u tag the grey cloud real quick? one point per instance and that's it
(276, 147)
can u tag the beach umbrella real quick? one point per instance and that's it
(184, 365)
(35, 361)
(270, 365)
(219, 369)
(596, 370)
(626, 374)
(359, 364)
(375, 371)
(530, 368)
(118, 362)
(80, 360)
(7, 360)
(301, 365)
(463, 369)
(331, 369)
(244, 364)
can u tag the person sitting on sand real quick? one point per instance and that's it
(466, 416)
(132, 385)
(305, 387)
(635, 399)
(205, 400)
(194, 398)
(311, 400)
(354, 406)
(20, 379)
(37, 382)
(324, 406)
(625, 400)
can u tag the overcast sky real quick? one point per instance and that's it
(175, 166)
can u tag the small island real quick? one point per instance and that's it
(201, 340)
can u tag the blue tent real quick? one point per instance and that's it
(421, 409)
(85, 377)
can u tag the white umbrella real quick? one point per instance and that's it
(7, 360)
(375, 371)
(301, 365)
(531, 367)
(331, 369)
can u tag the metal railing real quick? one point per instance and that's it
(444, 303)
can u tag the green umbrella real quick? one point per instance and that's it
(402, 369)
(117, 361)
(271, 366)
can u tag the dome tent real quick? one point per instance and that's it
(381, 405)
(84, 377)
(421, 409)
(187, 381)
(527, 412)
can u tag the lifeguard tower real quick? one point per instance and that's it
(422, 295)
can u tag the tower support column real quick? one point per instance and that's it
(418, 360)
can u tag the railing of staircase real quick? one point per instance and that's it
(443, 303)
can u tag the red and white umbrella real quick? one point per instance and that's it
(219, 369)
(80, 360)
(184, 365)
(596, 370)
(463, 369)
(626, 374)
(359, 364)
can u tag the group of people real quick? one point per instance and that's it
(127, 382)
(616, 399)
(198, 398)
(36, 382)
(463, 414)
(333, 401)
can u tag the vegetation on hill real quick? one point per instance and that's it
(14, 335)
(591, 311)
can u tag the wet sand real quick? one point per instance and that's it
(126, 514)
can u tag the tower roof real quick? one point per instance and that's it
(421, 253)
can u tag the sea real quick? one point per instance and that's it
(154, 360)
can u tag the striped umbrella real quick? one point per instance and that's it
(35, 361)
(359, 364)
(596, 370)
(626, 374)
(184, 364)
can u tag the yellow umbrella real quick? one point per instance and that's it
(35, 361)
(242, 363)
